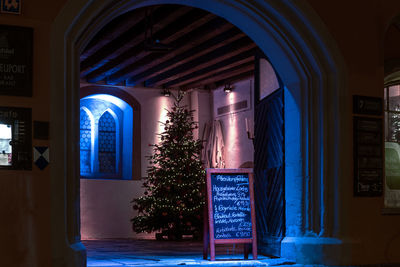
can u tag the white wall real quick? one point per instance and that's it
(238, 148)
(268, 80)
(106, 209)
(153, 110)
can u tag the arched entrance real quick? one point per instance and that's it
(307, 65)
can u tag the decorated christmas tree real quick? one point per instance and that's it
(173, 190)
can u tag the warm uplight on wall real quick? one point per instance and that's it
(228, 88)
(166, 92)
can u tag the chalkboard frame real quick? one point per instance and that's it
(213, 241)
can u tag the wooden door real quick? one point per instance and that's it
(269, 173)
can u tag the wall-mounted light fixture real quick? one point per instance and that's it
(166, 92)
(249, 129)
(228, 88)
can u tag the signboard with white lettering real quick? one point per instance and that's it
(367, 105)
(15, 138)
(16, 52)
(231, 207)
(368, 157)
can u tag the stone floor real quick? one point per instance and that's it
(128, 252)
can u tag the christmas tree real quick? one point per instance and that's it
(173, 190)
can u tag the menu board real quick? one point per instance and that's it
(231, 205)
(231, 212)
(368, 156)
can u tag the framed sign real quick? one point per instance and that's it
(16, 52)
(368, 156)
(11, 6)
(15, 138)
(231, 212)
(367, 105)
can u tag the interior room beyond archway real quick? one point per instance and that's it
(152, 50)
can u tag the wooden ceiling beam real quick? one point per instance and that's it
(178, 58)
(229, 50)
(185, 43)
(222, 75)
(227, 64)
(112, 30)
(163, 15)
(171, 32)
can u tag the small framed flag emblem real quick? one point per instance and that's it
(11, 6)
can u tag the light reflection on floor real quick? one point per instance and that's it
(128, 252)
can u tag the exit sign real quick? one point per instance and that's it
(11, 6)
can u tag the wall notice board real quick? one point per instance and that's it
(368, 157)
(16, 59)
(368, 146)
(231, 212)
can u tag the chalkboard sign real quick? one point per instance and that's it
(231, 207)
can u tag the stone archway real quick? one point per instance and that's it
(309, 65)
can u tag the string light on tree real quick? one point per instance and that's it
(174, 201)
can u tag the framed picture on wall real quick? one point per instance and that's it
(11, 6)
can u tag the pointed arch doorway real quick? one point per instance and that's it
(307, 65)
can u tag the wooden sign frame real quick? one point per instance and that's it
(211, 241)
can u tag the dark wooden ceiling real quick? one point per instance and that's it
(168, 46)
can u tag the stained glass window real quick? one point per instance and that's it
(85, 142)
(107, 143)
(106, 125)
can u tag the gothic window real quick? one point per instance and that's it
(85, 142)
(106, 138)
(107, 144)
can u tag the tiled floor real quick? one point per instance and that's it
(128, 252)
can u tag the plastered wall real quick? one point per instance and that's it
(25, 195)
(238, 147)
(106, 209)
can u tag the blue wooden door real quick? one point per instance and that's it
(269, 173)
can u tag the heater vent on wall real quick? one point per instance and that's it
(235, 107)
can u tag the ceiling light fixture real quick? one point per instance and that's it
(228, 88)
(166, 92)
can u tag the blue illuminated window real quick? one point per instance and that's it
(85, 142)
(107, 143)
(105, 126)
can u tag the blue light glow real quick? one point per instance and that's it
(112, 99)
(94, 161)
